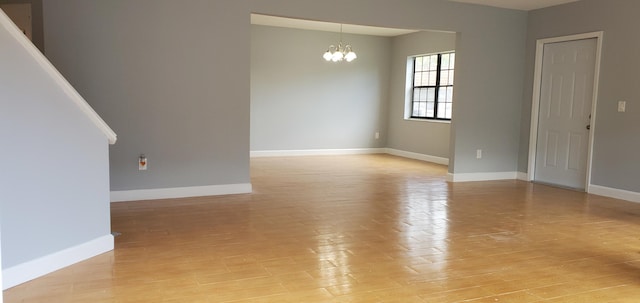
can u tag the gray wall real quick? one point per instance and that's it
(37, 31)
(54, 164)
(617, 143)
(423, 137)
(299, 101)
(172, 77)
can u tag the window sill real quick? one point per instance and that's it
(428, 120)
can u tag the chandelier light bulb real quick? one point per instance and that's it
(328, 55)
(337, 56)
(350, 56)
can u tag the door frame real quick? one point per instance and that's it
(535, 106)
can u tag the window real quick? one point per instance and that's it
(431, 86)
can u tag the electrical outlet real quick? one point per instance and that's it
(377, 135)
(479, 154)
(622, 106)
(142, 162)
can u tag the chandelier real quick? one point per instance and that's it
(340, 52)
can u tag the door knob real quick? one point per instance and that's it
(589, 126)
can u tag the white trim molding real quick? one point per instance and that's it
(417, 156)
(474, 177)
(614, 193)
(55, 75)
(315, 152)
(33, 269)
(351, 151)
(180, 192)
(523, 176)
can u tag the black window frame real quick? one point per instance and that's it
(436, 87)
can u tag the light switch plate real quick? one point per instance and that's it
(622, 106)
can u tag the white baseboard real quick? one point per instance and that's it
(30, 270)
(523, 176)
(614, 193)
(473, 177)
(180, 192)
(315, 152)
(353, 151)
(417, 156)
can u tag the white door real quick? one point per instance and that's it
(566, 96)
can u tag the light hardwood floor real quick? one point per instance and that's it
(371, 228)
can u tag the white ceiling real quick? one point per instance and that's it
(390, 32)
(525, 5)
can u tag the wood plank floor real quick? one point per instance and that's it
(371, 228)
